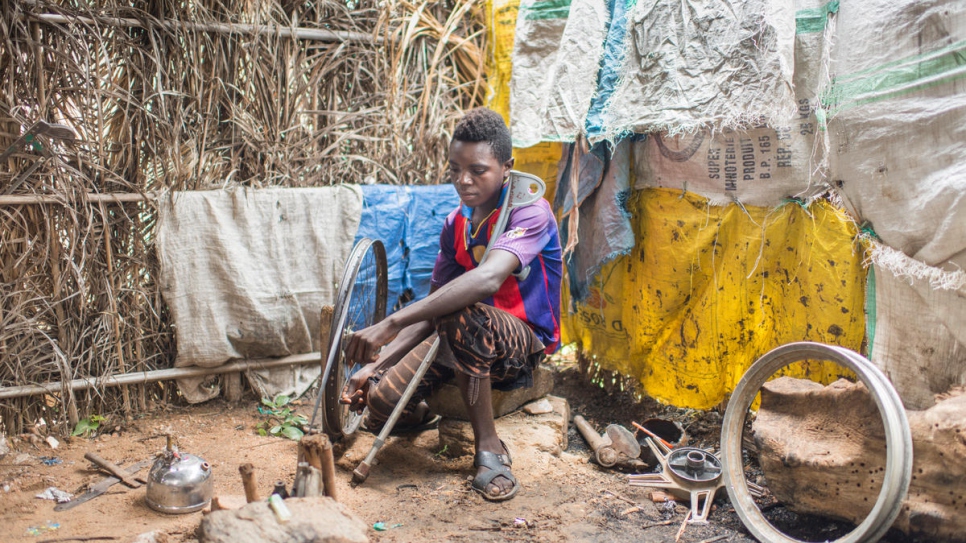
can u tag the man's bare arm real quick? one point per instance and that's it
(467, 289)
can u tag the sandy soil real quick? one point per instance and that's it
(418, 493)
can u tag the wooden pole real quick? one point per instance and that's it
(247, 472)
(156, 375)
(112, 300)
(109, 198)
(314, 34)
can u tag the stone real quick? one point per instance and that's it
(151, 537)
(538, 407)
(314, 520)
(546, 432)
(449, 403)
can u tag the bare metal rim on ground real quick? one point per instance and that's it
(898, 472)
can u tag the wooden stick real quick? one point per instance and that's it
(55, 387)
(683, 526)
(317, 452)
(328, 468)
(653, 524)
(325, 331)
(115, 316)
(90, 538)
(92, 197)
(247, 472)
(619, 497)
(316, 34)
(113, 469)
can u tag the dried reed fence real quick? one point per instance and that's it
(172, 95)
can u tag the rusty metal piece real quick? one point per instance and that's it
(623, 441)
(604, 452)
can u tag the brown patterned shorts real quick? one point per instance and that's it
(480, 341)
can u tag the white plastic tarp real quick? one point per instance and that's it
(556, 56)
(919, 334)
(246, 273)
(897, 123)
(704, 63)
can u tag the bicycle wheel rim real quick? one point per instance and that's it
(361, 302)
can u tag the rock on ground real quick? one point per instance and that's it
(314, 520)
(448, 402)
(546, 432)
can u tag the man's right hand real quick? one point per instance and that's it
(357, 388)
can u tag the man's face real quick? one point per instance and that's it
(476, 173)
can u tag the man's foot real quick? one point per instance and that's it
(493, 480)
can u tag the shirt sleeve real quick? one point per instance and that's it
(446, 268)
(527, 232)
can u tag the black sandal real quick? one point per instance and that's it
(497, 465)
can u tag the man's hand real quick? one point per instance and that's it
(362, 347)
(357, 389)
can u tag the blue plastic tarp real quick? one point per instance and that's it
(408, 220)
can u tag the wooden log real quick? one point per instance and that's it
(247, 472)
(233, 387)
(823, 452)
(325, 331)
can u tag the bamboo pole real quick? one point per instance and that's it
(112, 300)
(157, 375)
(309, 34)
(92, 197)
(72, 416)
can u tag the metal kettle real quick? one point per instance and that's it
(179, 482)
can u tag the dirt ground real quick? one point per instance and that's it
(417, 493)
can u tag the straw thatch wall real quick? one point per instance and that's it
(189, 96)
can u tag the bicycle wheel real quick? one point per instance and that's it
(361, 302)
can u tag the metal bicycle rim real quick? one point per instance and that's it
(898, 470)
(333, 421)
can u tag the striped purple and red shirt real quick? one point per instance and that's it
(531, 235)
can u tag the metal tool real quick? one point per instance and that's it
(114, 470)
(523, 190)
(101, 487)
(688, 473)
(617, 444)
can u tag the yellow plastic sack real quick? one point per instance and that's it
(501, 24)
(541, 159)
(708, 290)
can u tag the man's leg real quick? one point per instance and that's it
(388, 389)
(485, 346)
(484, 427)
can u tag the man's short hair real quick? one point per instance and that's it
(484, 124)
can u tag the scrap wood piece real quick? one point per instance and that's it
(830, 460)
(247, 472)
(683, 526)
(619, 497)
(316, 449)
